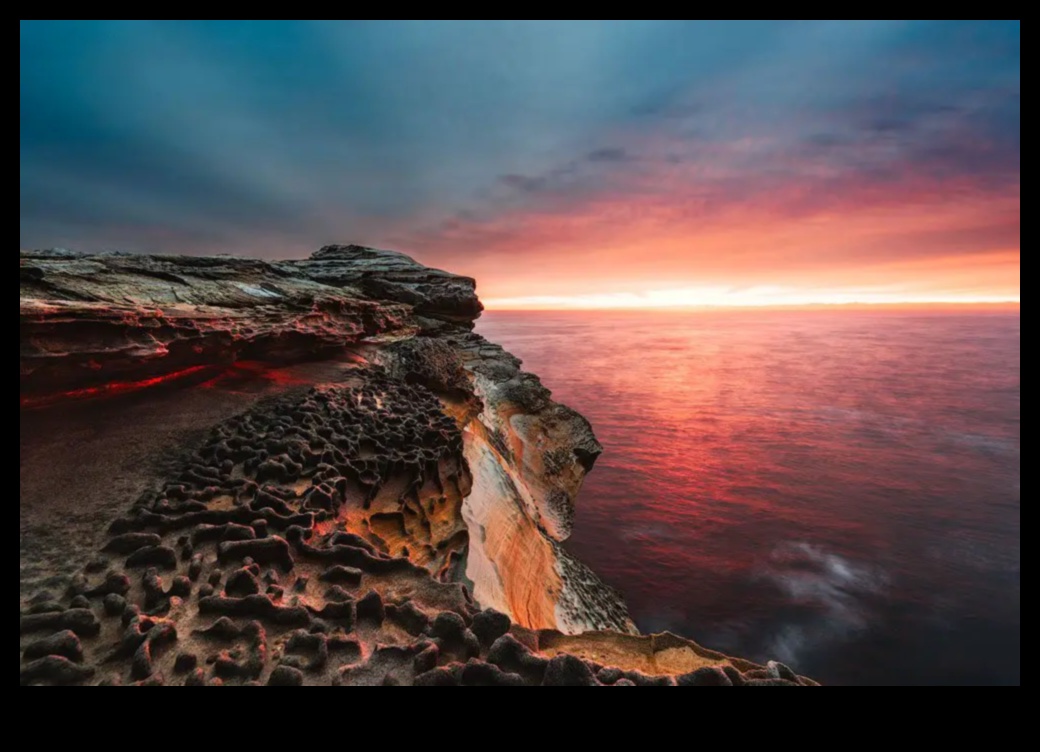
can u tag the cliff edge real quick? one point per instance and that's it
(371, 493)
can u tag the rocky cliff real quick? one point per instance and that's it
(394, 516)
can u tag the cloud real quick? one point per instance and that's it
(541, 145)
(523, 183)
(608, 155)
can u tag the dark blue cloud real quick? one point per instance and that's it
(275, 137)
(608, 154)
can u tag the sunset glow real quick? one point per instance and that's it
(574, 165)
(710, 297)
(520, 353)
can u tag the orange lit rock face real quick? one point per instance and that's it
(397, 522)
(528, 456)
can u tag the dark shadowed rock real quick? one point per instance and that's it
(153, 556)
(646, 680)
(511, 655)
(735, 676)
(706, 676)
(257, 606)
(488, 625)
(772, 682)
(114, 582)
(568, 671)
(44, 607)
(476, 674)
(370, 608)
(64, 643)
(409, 616)
(426, 658)
(342, 575)
(781, 671)
(285, 676)
(127, 543)
(80, 620)
(54, 669)
(438, 677)
(242, 582)
(270, 550)
(185, 662)
(113, 604)
(448, 626)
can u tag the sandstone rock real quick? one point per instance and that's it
(426, 464)
(568, 671)
(707, 676)
(54, 669)
(489, 625)
(64, 643)
(285, 676)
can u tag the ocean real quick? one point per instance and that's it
(838, 490)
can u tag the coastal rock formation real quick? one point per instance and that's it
(94, 320)
(396, 520)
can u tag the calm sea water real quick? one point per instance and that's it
(836, 490)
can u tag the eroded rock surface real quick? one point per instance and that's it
(398, 523)
(94, 320)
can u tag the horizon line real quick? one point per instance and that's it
(937, 305)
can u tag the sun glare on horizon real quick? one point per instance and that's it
(694, 298)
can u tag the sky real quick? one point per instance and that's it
(561, 164)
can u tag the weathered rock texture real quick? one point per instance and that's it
(398, 523)
(89, 321)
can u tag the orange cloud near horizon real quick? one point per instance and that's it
(917, 241)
